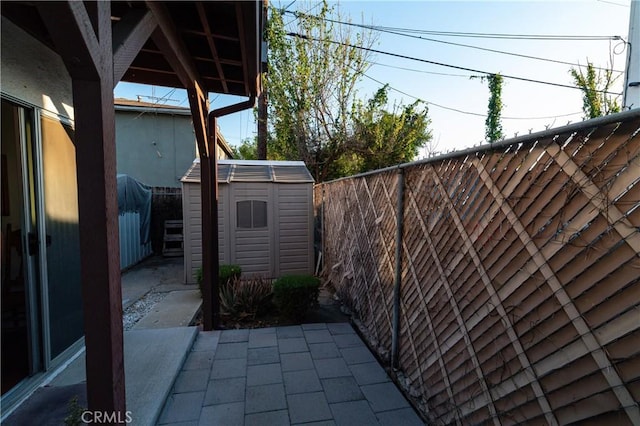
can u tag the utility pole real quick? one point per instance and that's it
(262, 121)
(631, 97)
(262, 99)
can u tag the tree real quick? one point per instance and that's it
(312, 77)
(248, 150)
(383, 138)
(493, 125)
(596, 101)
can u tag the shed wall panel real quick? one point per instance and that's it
(192, 223)
(295, 223)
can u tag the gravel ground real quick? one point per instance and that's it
(139, 309)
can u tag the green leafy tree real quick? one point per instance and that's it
(247, 150)
(383, 138)
(594, 84)
(314, 67)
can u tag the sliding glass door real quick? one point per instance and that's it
(41, 289)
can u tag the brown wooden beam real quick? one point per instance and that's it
(243, 48)
(151, 70)
(212, 46)
(223, 61)
(83, 40)
(210, 262)
(213, 34)
(70, 27)
(168, 40)
(199, 111)
(228, 80)
(129, 35)
(99, 243)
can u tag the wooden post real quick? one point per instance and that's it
(206, 173)
(82, 35)
(210, 261)
(213, 207)
(99, 244)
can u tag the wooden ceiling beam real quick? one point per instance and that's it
(75, 39)
(151, 70)
(243, 47)
(223, 61)
(212, 46)
(228, 80)
(173, 48)
(217, 36)
(129, 36)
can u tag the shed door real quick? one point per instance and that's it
(252, 221)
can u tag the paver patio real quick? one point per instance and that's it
(320, 374)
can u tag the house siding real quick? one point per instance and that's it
(33, 73)
(154, 148)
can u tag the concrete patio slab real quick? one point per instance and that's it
(285, 384)
(153, 359)
(177, 309)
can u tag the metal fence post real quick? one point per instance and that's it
(395, 333)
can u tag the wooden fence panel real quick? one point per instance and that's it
(520, 274)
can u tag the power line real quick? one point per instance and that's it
(402, 34)
(483, 35)
(614, 3)
(466, 112)
(423, 71)
(398, 55)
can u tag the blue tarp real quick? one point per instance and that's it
(134, 196)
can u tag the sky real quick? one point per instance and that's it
(457, 104)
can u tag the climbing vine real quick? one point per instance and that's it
(493, 126)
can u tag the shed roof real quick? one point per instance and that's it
(254, 171)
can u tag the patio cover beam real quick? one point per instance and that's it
(168, 40)
(212, 46)
(129, 35)
(83, 38)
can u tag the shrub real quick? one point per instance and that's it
(296, 294)
(226, 274)
(74, 418)
(247, 297)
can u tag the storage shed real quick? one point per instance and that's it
(265, 217)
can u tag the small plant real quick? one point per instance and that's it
(246, 297)
(296, 294)
(226, 273)
(228, 300)
(253, 294)
(74, 418)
